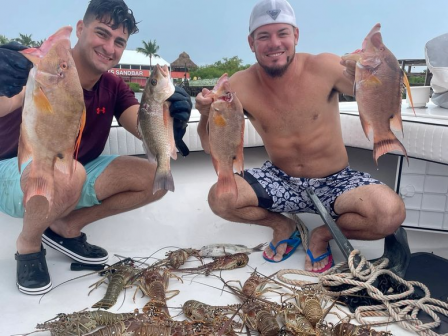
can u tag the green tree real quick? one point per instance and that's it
(149, 49)
(3, 39)
(25, 40)
(215, 70)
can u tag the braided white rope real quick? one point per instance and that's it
(362, 277)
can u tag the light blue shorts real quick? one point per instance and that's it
(11, 195)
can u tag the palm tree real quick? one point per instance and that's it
(150, 49)
(37, 44)
(3, 39)
(25, 40)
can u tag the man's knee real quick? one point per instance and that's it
(391, 215)
(68, 189)
(221, 205)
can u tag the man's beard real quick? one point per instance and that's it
(277, 71)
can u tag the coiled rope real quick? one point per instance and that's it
(403, 311)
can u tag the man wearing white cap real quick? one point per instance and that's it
(292, 101)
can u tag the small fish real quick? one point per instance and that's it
(226, 135)
(155, 126)
(378, 91)
(53, 115)
(220, 250)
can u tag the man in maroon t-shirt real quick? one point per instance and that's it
(101, 186)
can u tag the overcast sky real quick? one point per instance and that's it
(209, 30)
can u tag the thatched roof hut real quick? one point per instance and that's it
(183, 61)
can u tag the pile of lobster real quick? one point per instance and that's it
(298, 311)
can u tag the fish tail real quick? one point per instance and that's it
(163, 180)
(226, 183)
(40, 182)
(388, 145)
(259, 247)
(66, 164)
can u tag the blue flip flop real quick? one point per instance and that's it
(321, 257)
(293, 242)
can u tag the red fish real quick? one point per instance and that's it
(53, 115)
(378, 91)
(226, 134)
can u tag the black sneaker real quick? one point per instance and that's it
(76, 248)
(32, 273)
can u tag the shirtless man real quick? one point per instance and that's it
(292, 101)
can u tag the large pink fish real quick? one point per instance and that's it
(226, 134)
(378, 91)
(53, 115)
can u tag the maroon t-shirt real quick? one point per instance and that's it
(109, 97)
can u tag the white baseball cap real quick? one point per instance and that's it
(271, 11)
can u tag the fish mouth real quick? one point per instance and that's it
(163, 70)
(227, 97)
(224, 78)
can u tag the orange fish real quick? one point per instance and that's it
(226, 135)
(53, 115)
(378, 90)
(155, 126)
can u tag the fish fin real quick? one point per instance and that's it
(163, 180)
(32, 54)
(238, 163)
(219, 120)
(151, 157)
(226, 183)
(259, 247)
(24, 152)
(40, 182)
(396, 123)
(206, 144)
(41, 101)
(365, 125)
(408, 90)
(82, 123)
(387, 145)
(372, 81)
(173, 153)
(215, 164)
(65, 164)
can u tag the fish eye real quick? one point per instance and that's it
(153, 82)
(64, 66)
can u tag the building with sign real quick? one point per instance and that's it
(180, 68)
(134, 67)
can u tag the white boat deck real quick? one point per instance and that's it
(180, 219)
